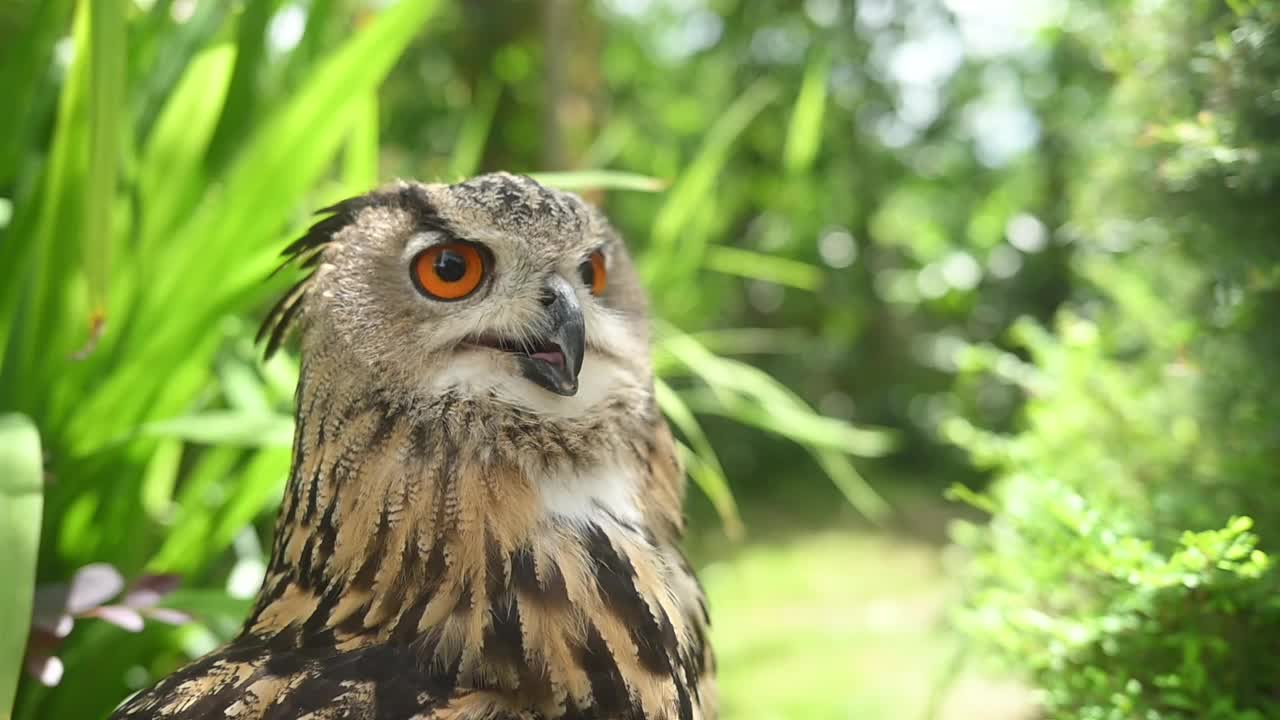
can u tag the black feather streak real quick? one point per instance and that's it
(616, 578)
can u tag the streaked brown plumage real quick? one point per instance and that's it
(462, 537)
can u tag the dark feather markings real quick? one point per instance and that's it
(608, 689)
(549, 593)
(654, 638)
(368, 569)
(503, 641)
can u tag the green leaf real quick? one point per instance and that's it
(578, 180)
(468, 149)
(762, 266)
(160, 479)
(24, 60)
(242, 95)
(804, 134)
(259, 486)
(48, 226)
(209, 605)
(226, 427)
(244, 390)
(752, 341)
(851, 484)
(795, 423)
(21, 499)
(172, 173)
(700, 459)
(106, 98)
(698, 179)
(360, 158)
(748, 395)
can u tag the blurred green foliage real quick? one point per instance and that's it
(1113, 571)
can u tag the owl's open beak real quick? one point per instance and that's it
(555, 366)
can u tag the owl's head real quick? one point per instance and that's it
(495, 288)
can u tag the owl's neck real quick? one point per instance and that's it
(530, 559)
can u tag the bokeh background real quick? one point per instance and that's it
(969, 319)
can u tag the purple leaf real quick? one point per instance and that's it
(167, 615)
(45, 668)
(91, 586)
(118, 615)
(149, 590)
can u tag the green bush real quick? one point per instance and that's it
(1120, 569)
(1082, 578)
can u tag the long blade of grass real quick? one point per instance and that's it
(852, 485)
(468, 149)
(227, 428)
(171, 171)
(24, 62)
(804, 133)
(826, 440)
(160, 479)
(705, 476)
(324, 18)
(752, 341)
(48, 227)
(704, 466)
(162, 54)
(698, 179)
(360, 157)
(185, 546)
(106, 96)
(750, 396)
(761, 266)
(21, 499)
(727, 373)
(160, 51)
(244, 390)
(799, 424)
(242, 95)
(578, 180)
(260, 486)
(610, 142)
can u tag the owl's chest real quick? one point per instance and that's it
(251, 680)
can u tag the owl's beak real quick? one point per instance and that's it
(563, 335)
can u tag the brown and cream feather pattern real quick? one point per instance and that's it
(443, 554)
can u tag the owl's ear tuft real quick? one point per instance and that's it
(306, 251)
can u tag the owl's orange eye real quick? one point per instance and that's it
(593, 273)
(450, 271)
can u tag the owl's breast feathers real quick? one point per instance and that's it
(423, 567)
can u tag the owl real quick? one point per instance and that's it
(483, 514)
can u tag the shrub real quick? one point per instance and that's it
(1120, 568)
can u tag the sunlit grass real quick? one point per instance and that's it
(842, 623)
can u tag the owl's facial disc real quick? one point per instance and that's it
(550, 355)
